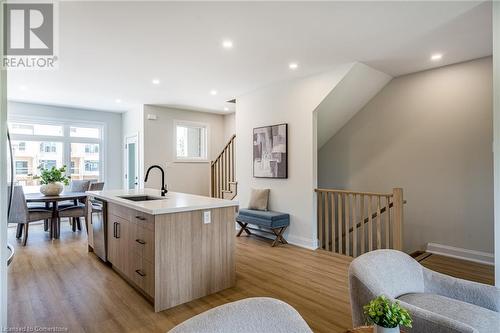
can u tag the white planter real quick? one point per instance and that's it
(51, 189)
(380, 329)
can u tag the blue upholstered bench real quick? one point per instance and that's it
(275, 221)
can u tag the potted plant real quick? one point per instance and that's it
(53, 180)
(386, 316)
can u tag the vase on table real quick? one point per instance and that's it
(380, 329)
(51, 189)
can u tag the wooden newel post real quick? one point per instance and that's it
(397, 230)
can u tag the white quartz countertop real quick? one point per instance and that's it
(172, 202)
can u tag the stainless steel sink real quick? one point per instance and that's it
(141, 198)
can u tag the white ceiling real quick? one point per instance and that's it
(112, 50)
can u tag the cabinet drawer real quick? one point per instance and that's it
(143, 241)
(119, 211)
(142, 274)
(143, 219)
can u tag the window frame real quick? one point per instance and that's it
(203, 159)
(66, 139)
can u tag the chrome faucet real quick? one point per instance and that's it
(163, 187)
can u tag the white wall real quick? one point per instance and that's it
(349, 96)
(3, 187)
(431, 134)
(188, 177)
(496, 131)
(113, 131)
(291, 102)
(229, 126)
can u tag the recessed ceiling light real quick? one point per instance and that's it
(226, 108)
(436, 57)
(213, 92)
(227, 44)
(118, 100)
(156, 81)
(22, 87)
(293, 65)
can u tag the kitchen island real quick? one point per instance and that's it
(172, 249)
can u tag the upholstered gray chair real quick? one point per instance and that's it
(96, 186)
(76, 209)
(22, 215)
(250, 315)
(438, 303)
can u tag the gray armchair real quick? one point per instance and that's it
(438, 303)
(250, 315)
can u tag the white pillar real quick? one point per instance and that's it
(3, 186)
(496, 133)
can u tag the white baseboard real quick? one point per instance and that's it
(294, 240)
(459, 253)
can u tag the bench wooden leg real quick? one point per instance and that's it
(243, 228)
(279, 236)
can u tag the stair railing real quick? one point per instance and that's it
(222, 172)
(353, 223)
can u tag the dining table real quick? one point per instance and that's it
(53, 203)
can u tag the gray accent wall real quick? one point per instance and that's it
(431, 134)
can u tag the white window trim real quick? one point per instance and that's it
(205, 159)
(65, 139)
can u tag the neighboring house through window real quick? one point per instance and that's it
(48, 142)
(191, 141)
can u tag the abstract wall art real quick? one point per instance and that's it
(270, 151)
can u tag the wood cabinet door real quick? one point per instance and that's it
(118, 242)
(113, 242)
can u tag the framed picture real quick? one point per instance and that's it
(270, 151)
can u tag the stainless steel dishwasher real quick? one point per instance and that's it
(99, 226)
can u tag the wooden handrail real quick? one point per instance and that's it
(353, 192)
(222, 172)
(374, 215)
(343, 214)
(229, 142)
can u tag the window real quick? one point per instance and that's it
(92, 149)
(21, 167)
(91, 166)
(85, 158)
(48, 147)
(84, 132)
(36, 129)
(191, 141)
(53, 142)
(73, 169)
(48, 164)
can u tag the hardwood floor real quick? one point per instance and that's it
(57, 283)
(461, 269)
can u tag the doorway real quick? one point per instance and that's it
(132, 162)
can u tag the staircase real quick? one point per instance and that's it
(222, 173)
(352, 223)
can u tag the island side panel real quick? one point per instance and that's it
(193, 259)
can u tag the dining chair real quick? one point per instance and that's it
(22, 215)
(97, 186)
(72, 209)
